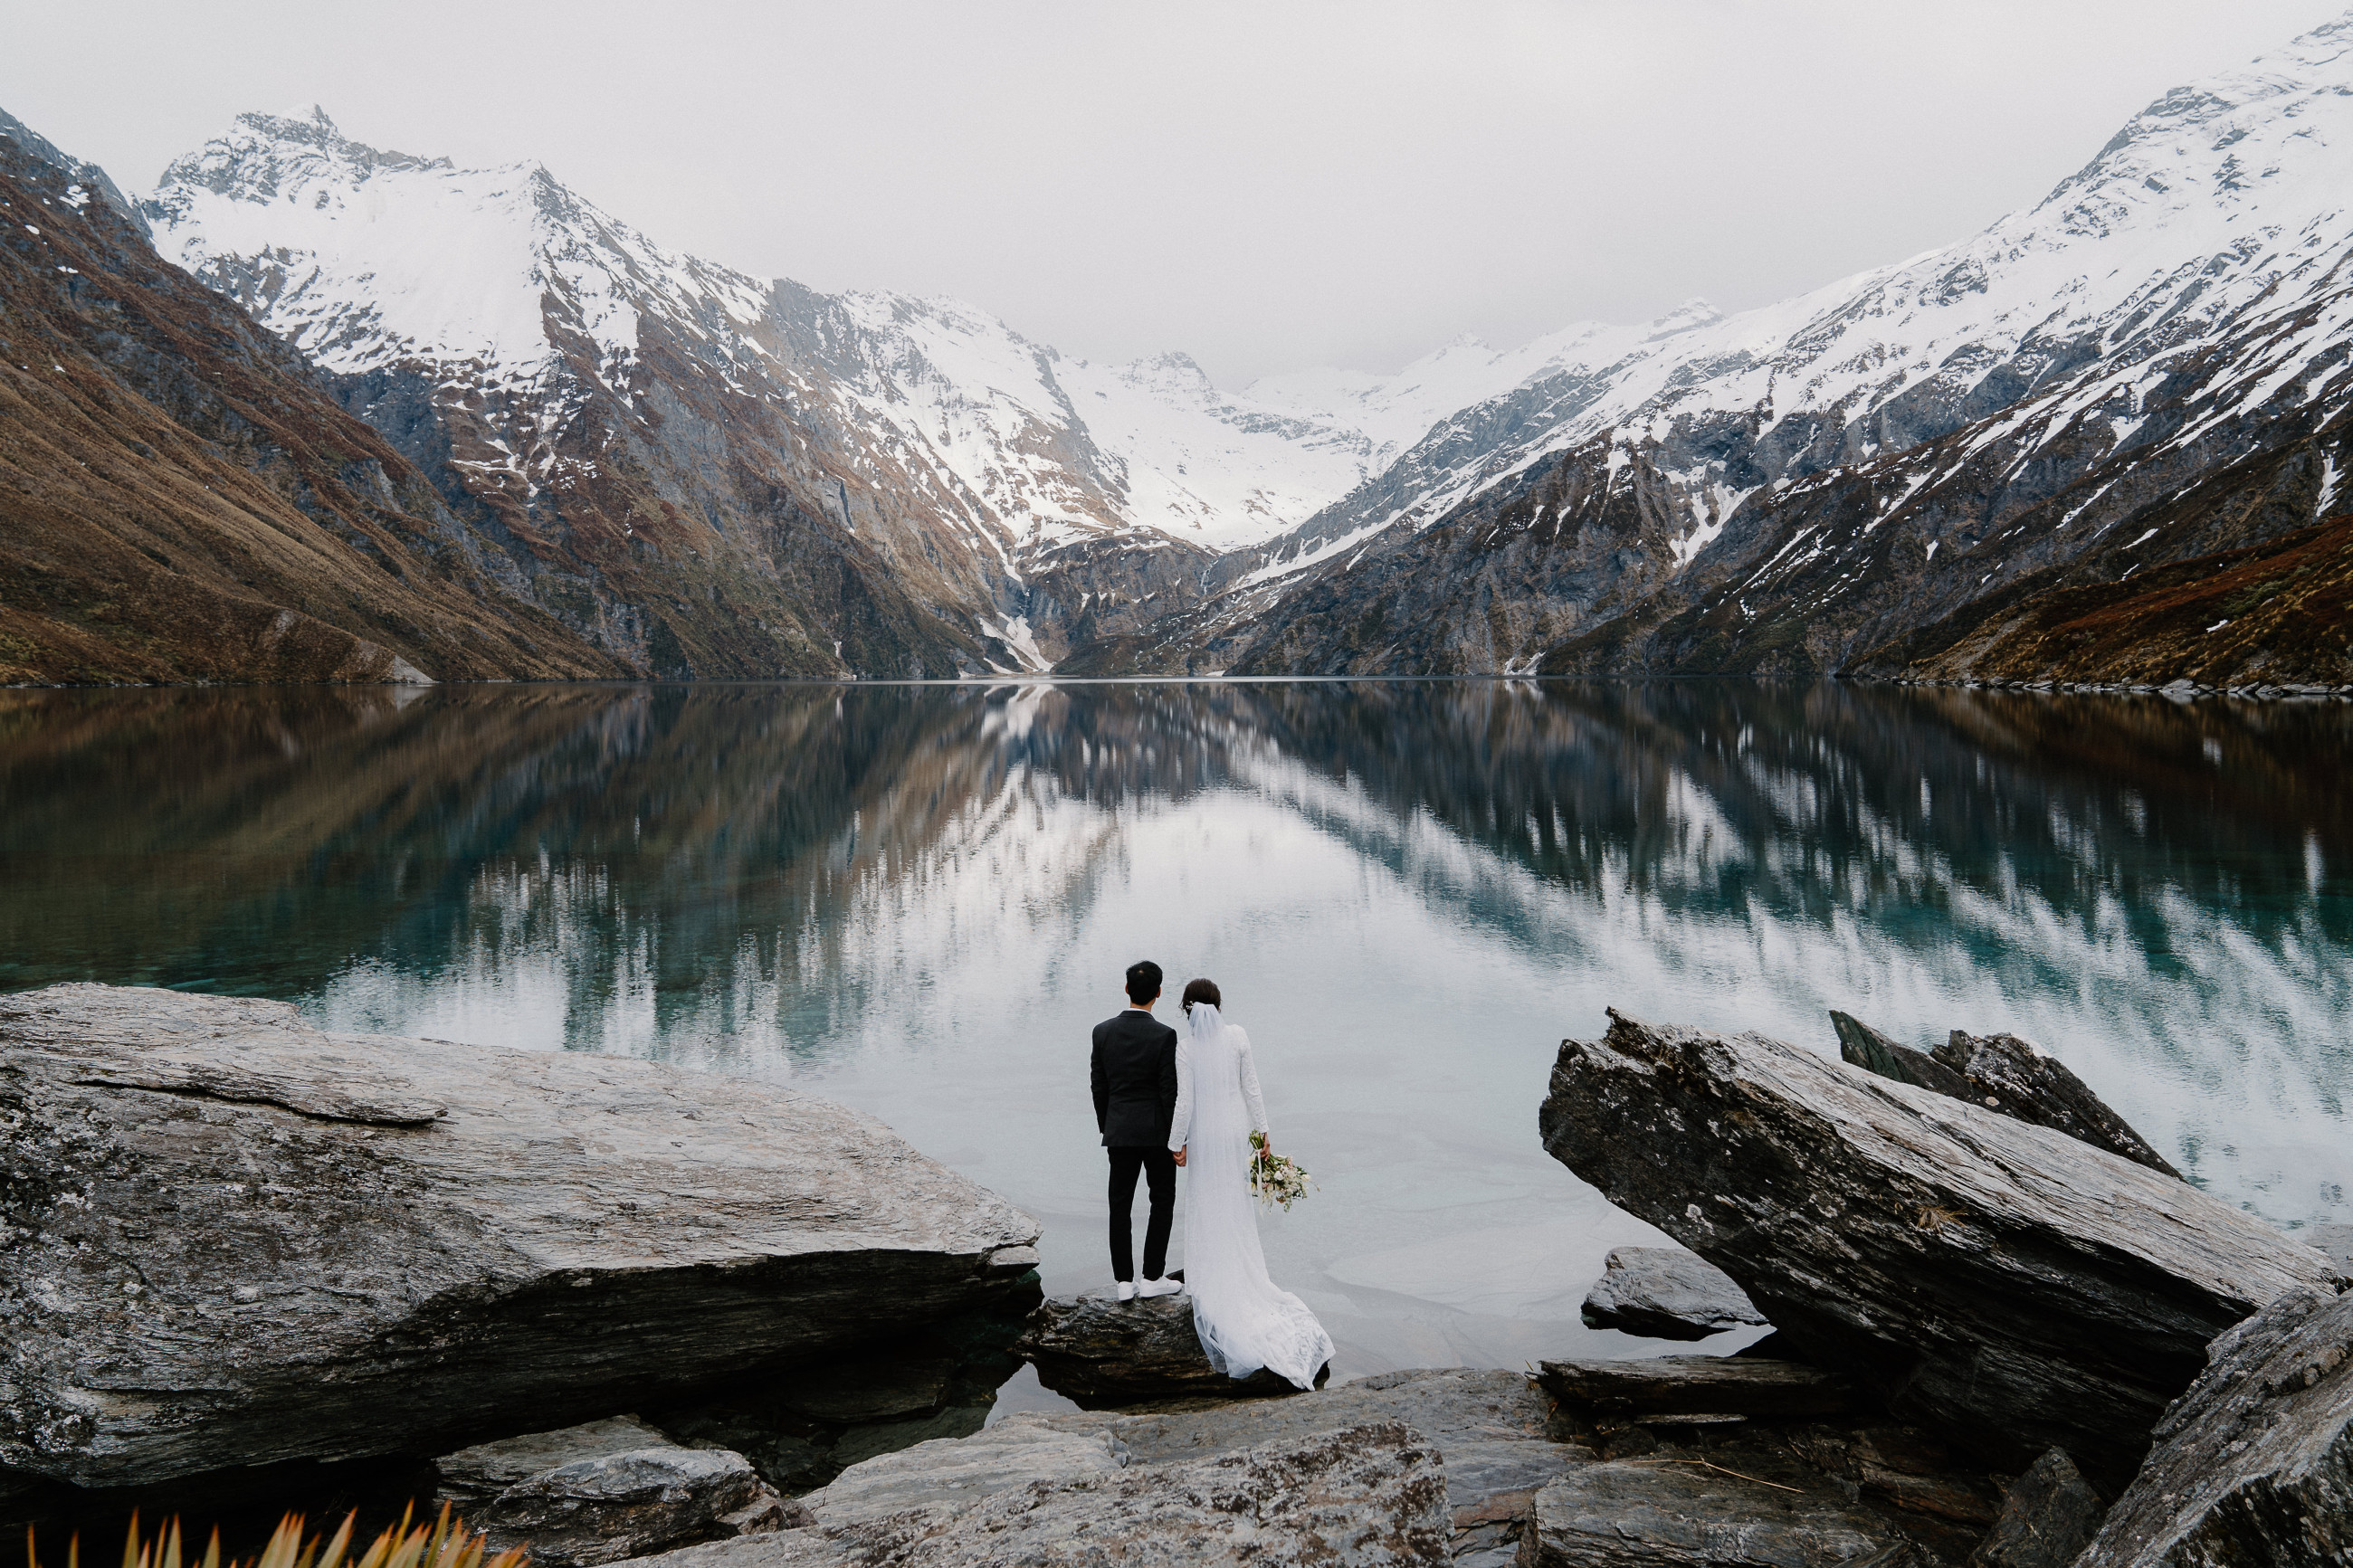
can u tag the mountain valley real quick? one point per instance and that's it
(586, 454)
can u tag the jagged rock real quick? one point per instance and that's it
(2003, 1073)
(1996, 1278)
(1699, 1384)
(2048, 1517)
(1666, 1293)
(1100, 1352)
(1367, 1496)
(2254, 1464)
(2014, 1077)
(1689, 1514)
(237, 1240)
(1867, 1048)
(604, 1491)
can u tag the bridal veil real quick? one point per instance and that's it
(1244, 1321)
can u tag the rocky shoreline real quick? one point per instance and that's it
(2181, 690)
(2004, 1332)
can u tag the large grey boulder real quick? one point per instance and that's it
(1995, 1278)
(2254, 1464)
(1666, 1293)
(234, 1239)
(1369, 1496)
(1101, 1351)
(1693, 1514)
(604, 1491)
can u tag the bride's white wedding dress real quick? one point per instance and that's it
(1245, 1322)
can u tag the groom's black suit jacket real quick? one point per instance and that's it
(1135, 1075)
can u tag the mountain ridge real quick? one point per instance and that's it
(2211, 211)
(697, 471)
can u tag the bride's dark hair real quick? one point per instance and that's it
(1203, 991)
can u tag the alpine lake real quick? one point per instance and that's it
(918, 898)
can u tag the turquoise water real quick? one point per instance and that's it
(919, 898)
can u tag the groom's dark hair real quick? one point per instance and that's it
(1143, 982)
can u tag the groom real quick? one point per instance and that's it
(1134, 1073)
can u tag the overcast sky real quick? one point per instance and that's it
(1266, 185)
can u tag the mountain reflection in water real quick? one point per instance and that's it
(919, 898)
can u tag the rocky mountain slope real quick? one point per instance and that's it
(677, 435)
(1791, 487)
(183, 503)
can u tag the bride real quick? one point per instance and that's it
(1243, 1320)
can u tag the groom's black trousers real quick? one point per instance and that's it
(1159, 1169)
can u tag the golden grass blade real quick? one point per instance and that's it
(212, 1549)
(285, 1546)
(170, 1543)
(333, 1556)
(132, 1557)
(379, 1550)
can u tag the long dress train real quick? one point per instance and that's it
(1244, 1321)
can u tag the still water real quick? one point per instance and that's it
(919, 898)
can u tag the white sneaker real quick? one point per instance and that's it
(1160, 1288)
(1128, 1290)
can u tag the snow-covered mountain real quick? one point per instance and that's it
(184, 503)
(514, 309)
(709, 472)
(2222, 210)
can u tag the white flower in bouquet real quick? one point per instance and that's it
(1275, 1178)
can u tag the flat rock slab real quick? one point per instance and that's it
(1666, 1293)
(1997, 1279)
(1359, 1497)
(240, 1240)
(1101, 1351)
(1699, 1384)
(2254, 1464)
(1669, 1514)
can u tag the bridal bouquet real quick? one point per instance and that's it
(1274, 1178)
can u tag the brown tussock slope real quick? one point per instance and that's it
(179, 501)
(2276, 614)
